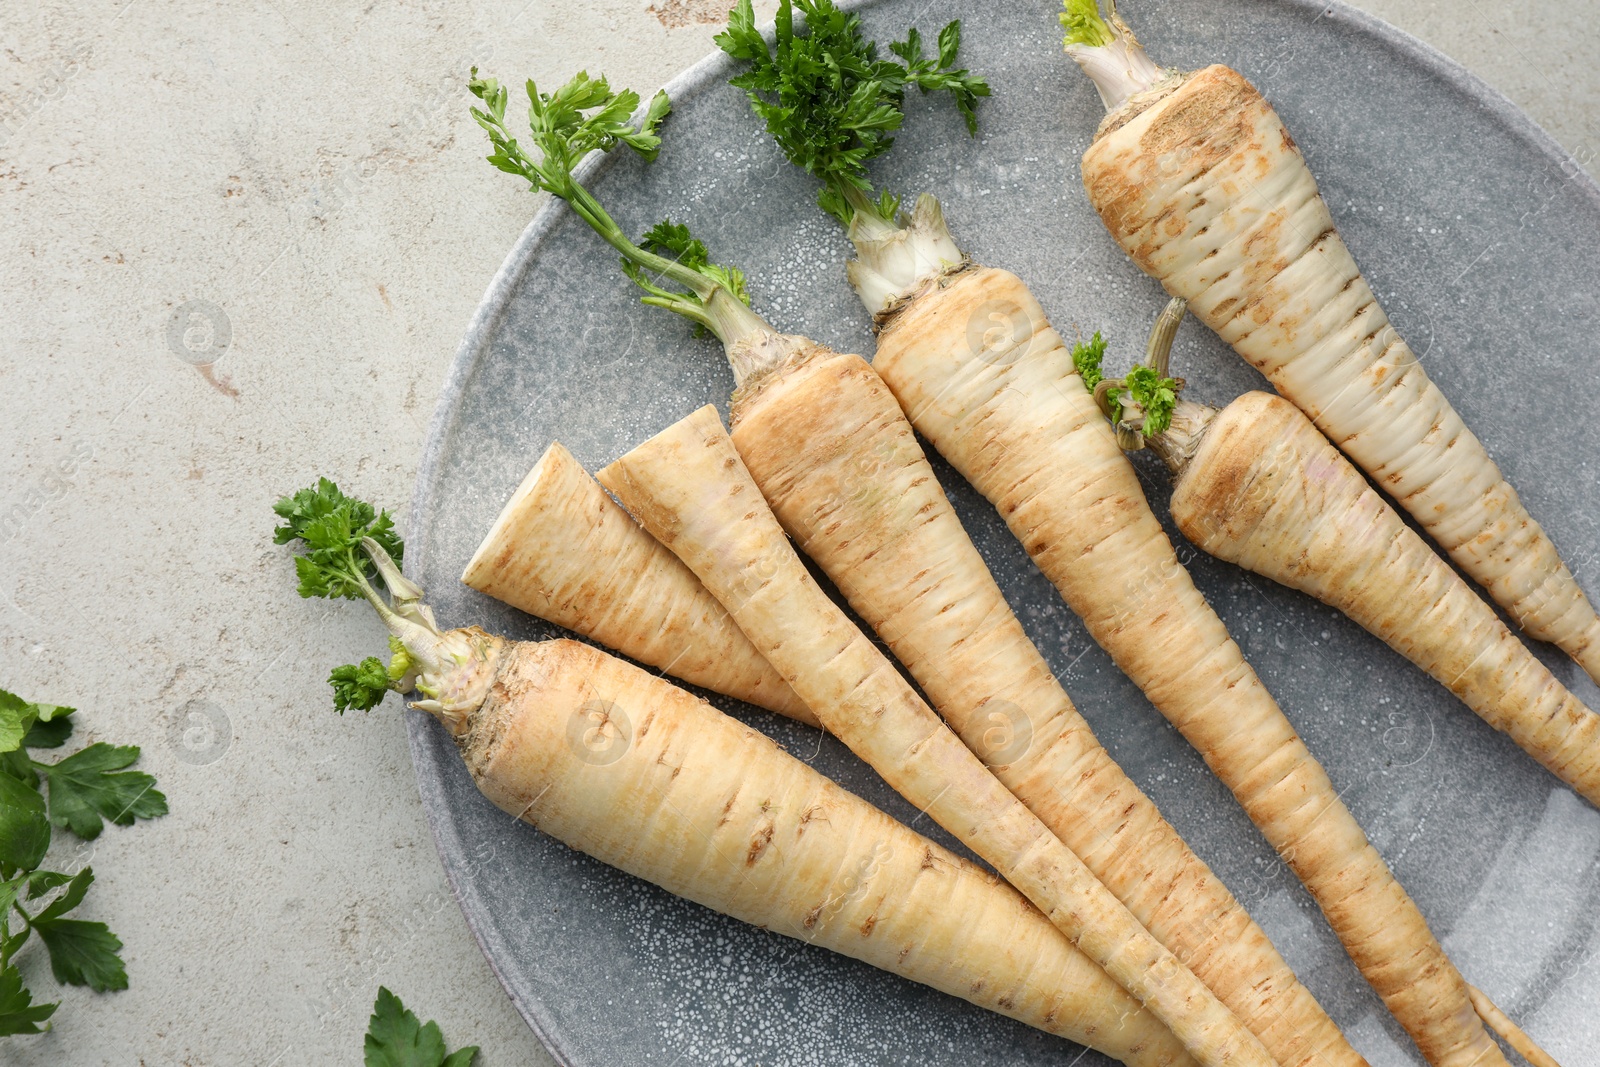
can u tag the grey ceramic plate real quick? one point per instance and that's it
(1474, 227)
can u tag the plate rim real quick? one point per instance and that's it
(422, 739)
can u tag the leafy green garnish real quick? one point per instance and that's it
(332, 525)
(361, 685)
(564, 134)
(1083, 24)
(397, 1038)
(18, 1013)
(935, 75)
(831, 102)
(673, 240)
(19, 719)
(1155, 395)
(91, 785)
(84, 790)
(1087, 358)
(81, 953)
(24, 825)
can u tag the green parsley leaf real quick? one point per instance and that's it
(41, 882)
(83, 953)
(49, 734)
(18, 765)
(934, 75)
(77, 886)
(397, 1038)
(18, 1013)
(24, 827)
(671, 239)
(561, 130)
(331, 526)
(828, 99)
(18, 718)
(1156, 395)
(90, 785)
(361, 686)
(1087, 357)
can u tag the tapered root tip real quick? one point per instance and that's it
(1510, 1032)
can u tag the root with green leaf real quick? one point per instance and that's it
(588, 748)
(351, 551)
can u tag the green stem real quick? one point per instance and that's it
(589, 209)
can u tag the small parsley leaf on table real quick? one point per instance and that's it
(397, 1038)
(90, 785)
(18, 1013)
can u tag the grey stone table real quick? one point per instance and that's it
(238, 251)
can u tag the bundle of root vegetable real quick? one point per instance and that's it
(1115, 934)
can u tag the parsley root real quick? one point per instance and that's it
(626, 767)
(564, 551)
(1200, 183)
(833, 453)
(688, 487)
(1256, 484)
(840, 465)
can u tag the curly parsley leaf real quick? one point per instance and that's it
(674, 241)
(1081, 19)
(18, 1013)
(830, 102)
(331, 526)
(359, 685)
(934, 75)
(91, 785)
(1156, 395)
(1087, 357)
(397, 1038)
(561, 130)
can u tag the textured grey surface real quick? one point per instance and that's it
(1451, 229)
(308, 169)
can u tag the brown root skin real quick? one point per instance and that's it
(565, 551)
(689, 487)
(1029, 437)
(1267, 492)
(624, 766)
(1510, 1032)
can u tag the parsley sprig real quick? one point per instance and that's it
(587, 115)
(397, 1038)
(832, 103)
(352, 550)
(78, 793)
(1141, 404)
(668, 238)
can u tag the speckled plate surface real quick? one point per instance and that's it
(1478, 232)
